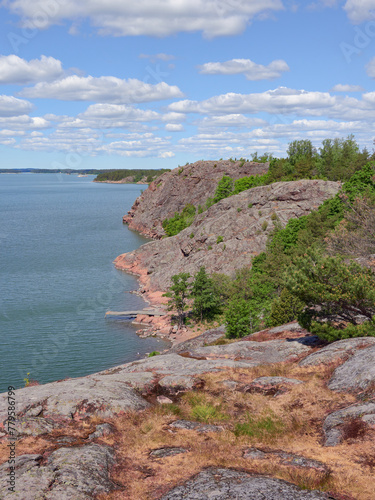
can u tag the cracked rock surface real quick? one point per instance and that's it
(227, 484)
(69, 473)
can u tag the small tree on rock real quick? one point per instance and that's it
(206, 300)
(178, 294)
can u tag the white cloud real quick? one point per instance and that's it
(13, 69)
(231, 120)
(173, 117)
(119, 112)
(370, 68)
(174, 127)
(360, 10)
(250, 69)
(347, 88)
(167, 154)
(102, 89)
(147, 17)
(11, 106)
(283, 101)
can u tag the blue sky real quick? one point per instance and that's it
(158, 83)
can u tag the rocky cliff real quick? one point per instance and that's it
(172, 191)
(226, 236)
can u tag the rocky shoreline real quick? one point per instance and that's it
(72, 440)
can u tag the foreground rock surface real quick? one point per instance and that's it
(172, 191)
(356, 374)
(242, 221)
(339, 424)
(227, 484)
(338, 351)
(69, 473)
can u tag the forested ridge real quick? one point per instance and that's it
(318, 269)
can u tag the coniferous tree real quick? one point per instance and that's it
(206, 301)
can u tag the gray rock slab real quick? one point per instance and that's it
(275, 381)
(333, 424)
(254, 353)
(70, 473)
(102, 430)
(173, 384)
(337, 351)
(270, 385)
(34, 426)
(167, 452)
(286, 459)
(32, 480)
(227, 484)
(76, 398)
(195, 426)
(356, 374)
(208, 337)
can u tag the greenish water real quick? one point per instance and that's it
(58, 237)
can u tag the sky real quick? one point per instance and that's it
(158, 83)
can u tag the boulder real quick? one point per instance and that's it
(356, 374)
(195, 426)
(334, 425)
(337, 351)
(226, 484)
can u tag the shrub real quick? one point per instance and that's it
(224, 188)
(220, 239)
(237, 319)
(264, 225)
(285, 308)
(153, 353)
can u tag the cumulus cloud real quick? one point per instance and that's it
(24, 122)
(250, 69)
(118, 111)
(149, 17)
(11, 106)
(103, 89)
(13, 69)
(231, 120)
(174, 127)
(283, 101)
(347, 88)
(359, 11)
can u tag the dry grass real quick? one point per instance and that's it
(296, 419)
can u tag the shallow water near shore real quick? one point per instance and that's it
(58, 237)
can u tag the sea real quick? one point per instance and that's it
(59, 235)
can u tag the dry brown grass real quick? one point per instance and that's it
(301, 411)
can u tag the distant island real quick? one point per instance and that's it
(130, 176)
(121, 176)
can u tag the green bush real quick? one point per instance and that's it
(285, 308)
(153, 353)
(224, 188)
(179, 221)
(220, 239)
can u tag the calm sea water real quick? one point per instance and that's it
(58, 237)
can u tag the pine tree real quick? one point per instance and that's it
(206, 301)
(178, 294)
